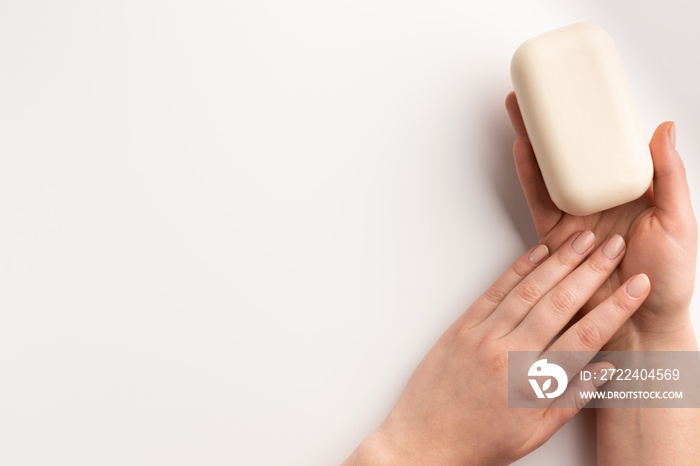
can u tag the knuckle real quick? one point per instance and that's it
(564, 261)
(563, 300)
(579, 401)
(495, 294)
(598, 267)
(462, 335)
(589, 334)
(528, 293)
(520, 269)
(619, 304)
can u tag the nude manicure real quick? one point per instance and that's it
(597, 382)
(613, 247)
(638, 285)
(538, 254)
(583, 242)
(672, 134)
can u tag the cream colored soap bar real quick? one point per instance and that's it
(581, 119)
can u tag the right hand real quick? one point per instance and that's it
(660, 231)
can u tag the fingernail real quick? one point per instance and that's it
(599, 380)
(583, 242)
(672, 134)
(638, 285)
(613, 247)
(538, 254)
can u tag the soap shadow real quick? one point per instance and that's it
(500, 167)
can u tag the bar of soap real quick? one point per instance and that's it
(581, 119)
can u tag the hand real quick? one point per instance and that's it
(660, 231)
(454, 409)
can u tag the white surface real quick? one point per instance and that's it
(230, 230)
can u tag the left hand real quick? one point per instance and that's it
(454, 409)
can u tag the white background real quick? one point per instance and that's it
(230, 230)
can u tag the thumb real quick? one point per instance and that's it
(671, 193)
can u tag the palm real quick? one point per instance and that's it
(658, 228)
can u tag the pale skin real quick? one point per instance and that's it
(454, 409)
(661, 234)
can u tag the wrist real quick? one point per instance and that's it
(383, 447)
(677, 335)
(377, 449)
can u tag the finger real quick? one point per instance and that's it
(545, 214)
(516, 118)
(571, 401)
(532, 288)
(598, 326)
(497, 292)
(671, 193)
(551, 314)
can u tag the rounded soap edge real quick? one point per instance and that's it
(573, 203)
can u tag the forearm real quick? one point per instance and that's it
(651, 435)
